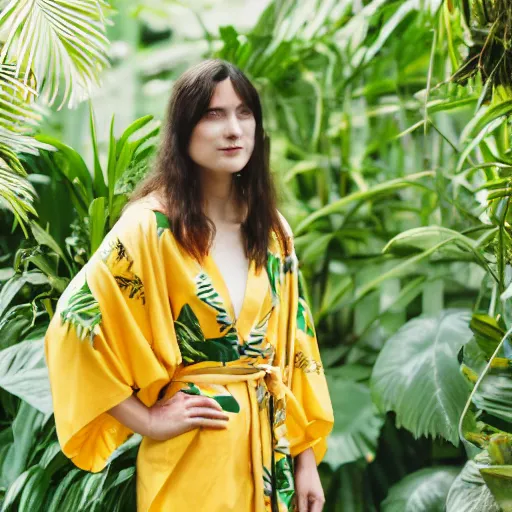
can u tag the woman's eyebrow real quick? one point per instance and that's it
(223, 109)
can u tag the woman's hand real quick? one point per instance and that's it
(310, 495)
(183, 412)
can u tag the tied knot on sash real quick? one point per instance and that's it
(274, 380)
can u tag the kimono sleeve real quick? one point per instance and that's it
(310, 416)
(98, 346)
(309, 388)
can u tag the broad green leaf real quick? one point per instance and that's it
(44, 238)
(357, 423)
(26, 426)
(409, 263)
(23, 373)
(75, 167)
(35, 488)
(350, 372)
(15, 489)
(121, 477)
(487, 331)
(63, 488)
(499, 481)
(469, 493)
(389, 187)
(111, 166)
(486, 130)
(118, 203)
(417, 374)
(494, 395)
(337, 288)
(97, 222)
(9, 291)
(424, 490)
(434, 236)
(15, 321)
(398, 16)
(485, 117)
(130, 130)
(132, 442)
(425, 237)
(100, 188)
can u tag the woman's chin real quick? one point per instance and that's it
(225, 168)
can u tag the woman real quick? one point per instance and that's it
(188, 325)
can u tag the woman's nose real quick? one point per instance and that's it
(233, 129)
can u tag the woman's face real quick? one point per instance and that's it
(228, 123)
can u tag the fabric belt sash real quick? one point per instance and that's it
(266, 432)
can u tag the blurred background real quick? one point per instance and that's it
(390, 137)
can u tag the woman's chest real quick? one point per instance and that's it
(229, 257)
(224, 301)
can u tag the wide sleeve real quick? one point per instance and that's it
(102, 342)
(309, 418)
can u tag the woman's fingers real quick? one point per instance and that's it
(207, 412)
(316, 504)
(203, 401)
(208, 423)
(302, 502)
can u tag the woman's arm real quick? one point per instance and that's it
(164, 420)
(133, 414)
(310, 495)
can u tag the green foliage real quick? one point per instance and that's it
(416, 374)
(392, 148)
(469, 492)
(357, 423)
(422, 491)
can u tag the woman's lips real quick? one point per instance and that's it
(230, 151)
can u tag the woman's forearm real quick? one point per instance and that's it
(306, 458)
(133, 414)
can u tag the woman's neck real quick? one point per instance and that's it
(219, 200)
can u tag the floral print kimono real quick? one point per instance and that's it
(143, 317)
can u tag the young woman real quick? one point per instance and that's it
(188, 325)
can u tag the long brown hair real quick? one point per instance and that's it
(176, 177)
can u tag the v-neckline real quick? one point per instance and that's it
(214, 272)
(256, 286)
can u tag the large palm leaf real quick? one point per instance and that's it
(44, 41)
(57, 39)
(18, 119)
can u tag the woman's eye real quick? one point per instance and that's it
(212, 114)
(246, 112)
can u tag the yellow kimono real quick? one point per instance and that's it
(144, 317)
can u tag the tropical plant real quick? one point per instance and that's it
(43, 42)
(392, 150)
(39, 475)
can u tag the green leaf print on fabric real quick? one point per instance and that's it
(219, 393)
(274, 275)
(290, 263)
(284, 481)
(162, 223)
(195, 347)
(116, 258)
(82, 311)
(207, 294)
(304, 319)
(254, 345)
(267, 481)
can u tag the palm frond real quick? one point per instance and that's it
(16, 194)
(54, 39)
(18, 120)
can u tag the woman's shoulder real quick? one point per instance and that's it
(285, 224)
(138, 220)
(153, 202)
